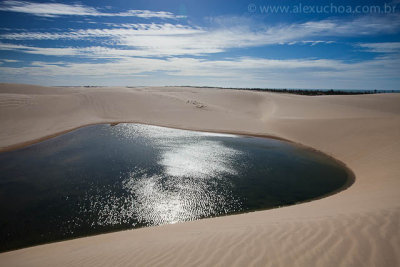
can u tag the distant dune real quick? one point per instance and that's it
(356, 227)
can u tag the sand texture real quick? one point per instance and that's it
(359, 226)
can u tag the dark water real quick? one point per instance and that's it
(104, 178)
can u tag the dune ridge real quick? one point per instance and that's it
(356, 227)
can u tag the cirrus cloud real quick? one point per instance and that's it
(57, 9)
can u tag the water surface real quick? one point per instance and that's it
(103, 178)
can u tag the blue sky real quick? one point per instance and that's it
(267, 44)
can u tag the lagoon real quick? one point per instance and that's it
(104, 178)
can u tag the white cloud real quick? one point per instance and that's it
(56, 9)
(68, 51)
(255, 67)
(388, 47)
(311, 42)
(10, 60)
(95, 52)
(47, 9)
(176, 39)
(381, 72)
(133, 30)
(149, 14)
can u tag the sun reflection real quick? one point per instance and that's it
(185, 186)
(202, 159)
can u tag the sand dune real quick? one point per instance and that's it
(356, 227)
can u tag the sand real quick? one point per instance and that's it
(356, 227)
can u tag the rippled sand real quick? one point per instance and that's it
(357, 227)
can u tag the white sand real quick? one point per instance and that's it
(356, 227)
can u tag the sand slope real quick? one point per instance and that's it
(357, 227)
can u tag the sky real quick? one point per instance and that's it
(252, 44)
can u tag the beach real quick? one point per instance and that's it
(355, 227)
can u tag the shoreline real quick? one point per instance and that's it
(360, 131)
(114, 123)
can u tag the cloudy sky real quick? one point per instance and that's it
(268, 44)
